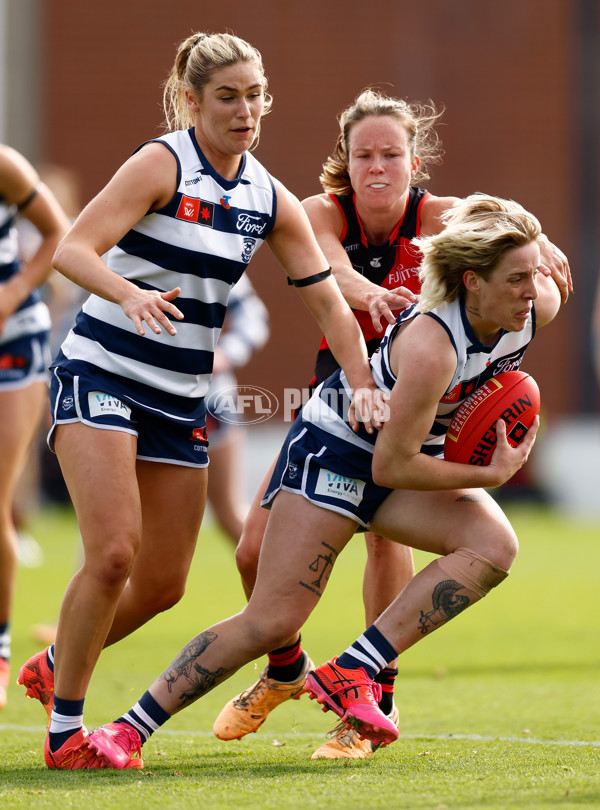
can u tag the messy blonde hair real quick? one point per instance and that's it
(479, 230)
(417, 119)
(197, 58)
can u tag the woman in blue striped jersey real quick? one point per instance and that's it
(163, 243)
(24, 351)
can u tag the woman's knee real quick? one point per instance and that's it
(248, 551)
(509, 547)
(111, 562)
(473, 571)
(487, 531)
(162, 598)
(267, 633)
(247, 564)
(482, 558)
(500, 545)
(385, 552)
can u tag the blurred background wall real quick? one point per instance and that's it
(81, 86)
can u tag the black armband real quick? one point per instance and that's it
(28, 199)
(305, 282)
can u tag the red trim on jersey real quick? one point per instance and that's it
(345, 228)
(413, 284)
(421, 201)
(391, 237)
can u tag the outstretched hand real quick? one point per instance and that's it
(556, 265)
(369, 407)
(383, 302)
(151, 306)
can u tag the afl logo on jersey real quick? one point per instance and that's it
(192, 209)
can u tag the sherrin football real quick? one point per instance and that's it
(471, 438)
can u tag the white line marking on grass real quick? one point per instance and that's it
(303, 734)
(488, 738)
(15, 727)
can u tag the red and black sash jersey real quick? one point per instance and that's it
(394, 263)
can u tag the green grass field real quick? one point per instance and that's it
(499, 709)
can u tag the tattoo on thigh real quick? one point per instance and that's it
(197, 680)
(446, 605)
(322, 567)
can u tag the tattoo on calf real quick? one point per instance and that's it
(446, 605)
(197, 679)
(322, 567)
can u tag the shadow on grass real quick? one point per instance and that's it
(185, 767)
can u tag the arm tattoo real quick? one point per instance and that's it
(446, 605)
(197, 679)
(322, 567)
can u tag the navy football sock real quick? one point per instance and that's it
(370, 652)
(146, 716)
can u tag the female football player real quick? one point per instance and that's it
(482, 300)
(164, 242)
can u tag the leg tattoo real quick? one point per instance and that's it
(322, 567)
(198, 680)
(446, 605)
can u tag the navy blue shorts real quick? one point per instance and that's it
(307, 467)
(24, 361)
(76, 398)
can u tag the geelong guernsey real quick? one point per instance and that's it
(201, 241)
(32, 318)
(326, 413)
(392, 264)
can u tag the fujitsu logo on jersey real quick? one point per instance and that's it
(401, 274)
(246, 223)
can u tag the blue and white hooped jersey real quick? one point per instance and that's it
(201, 241)
(326, 412)
(32, 318)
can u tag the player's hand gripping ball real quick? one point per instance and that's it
(512, 396)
